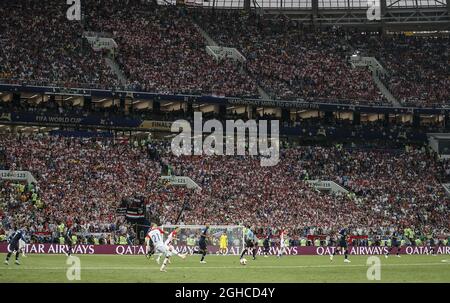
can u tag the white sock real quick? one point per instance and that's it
(165, 262)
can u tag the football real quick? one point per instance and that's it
(243, 261)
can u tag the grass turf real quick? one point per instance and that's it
(114, 268)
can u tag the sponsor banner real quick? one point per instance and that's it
(181, 181)
(327, 185)
(88, 249)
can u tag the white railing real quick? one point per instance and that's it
(219, 53)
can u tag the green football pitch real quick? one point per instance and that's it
(115, 268)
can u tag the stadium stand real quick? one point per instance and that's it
(389, 189)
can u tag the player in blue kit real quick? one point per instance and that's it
(13, 241)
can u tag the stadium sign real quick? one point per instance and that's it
(17, 175)
(89, 249)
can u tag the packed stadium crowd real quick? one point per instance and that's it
(39, 46)
(388, 190)
(79, 183)
(161, 49)
(291, 63)
(403, 185)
